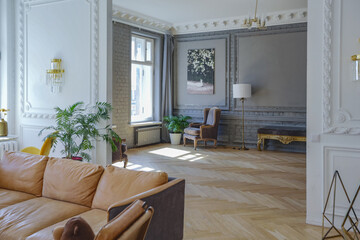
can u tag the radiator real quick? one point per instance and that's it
(147, 135)
(7, 146)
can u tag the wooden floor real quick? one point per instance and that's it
(232, 194)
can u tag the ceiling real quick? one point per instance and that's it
(184, 11)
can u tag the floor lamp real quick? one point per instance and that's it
(242, 91)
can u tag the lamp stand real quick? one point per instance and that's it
(243, 127)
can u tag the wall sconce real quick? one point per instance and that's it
(356, 67)
(55, 76)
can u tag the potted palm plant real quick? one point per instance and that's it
(176, 126)
(77, 129)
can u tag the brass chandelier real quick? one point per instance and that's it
(254, 22)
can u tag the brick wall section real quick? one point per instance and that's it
(122, 81)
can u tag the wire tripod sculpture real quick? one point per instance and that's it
(353, 220)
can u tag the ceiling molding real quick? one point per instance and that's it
(231, 23)
(220, 24)
(139, 20)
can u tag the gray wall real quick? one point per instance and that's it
(275, 65)
(273, 61)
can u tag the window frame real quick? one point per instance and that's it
(144, 63)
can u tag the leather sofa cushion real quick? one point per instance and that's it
(71, 181)
(22, 172)
(117, 184)
(9, 197)
(96, 218)
(192, 131)
(23, 219)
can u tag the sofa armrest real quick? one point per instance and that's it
(168, 203)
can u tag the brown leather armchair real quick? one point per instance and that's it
(205, 131)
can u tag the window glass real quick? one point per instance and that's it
(148, 51)
(138, 49)
(142, 78)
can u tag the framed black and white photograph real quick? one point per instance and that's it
(201, 71)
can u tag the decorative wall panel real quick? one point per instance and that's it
(220, 97)
(341, 114)
(46, 31)
(346, 162)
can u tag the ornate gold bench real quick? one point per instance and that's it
(285, 135)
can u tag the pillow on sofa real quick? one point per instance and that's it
(117, 184)
(22, 172)
(75, 229)
(70, 180)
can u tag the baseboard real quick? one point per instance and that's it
(314, 220)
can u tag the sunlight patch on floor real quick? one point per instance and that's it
(134, 166)
(179, 154)
(118, 164)
(169, 152)
(187, 157)
(191, 157)
(146, 169)
(195, 159)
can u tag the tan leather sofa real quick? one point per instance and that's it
(39, 193)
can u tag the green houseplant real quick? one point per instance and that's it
(77, 129)
(176, 126)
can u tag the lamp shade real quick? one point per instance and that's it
(241, 90)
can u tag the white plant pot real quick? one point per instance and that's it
(175, 138)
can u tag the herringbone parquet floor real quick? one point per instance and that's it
(231, 194)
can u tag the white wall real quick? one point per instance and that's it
(333, 113)
(78, 32)
(7, 62)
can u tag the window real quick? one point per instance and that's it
(142, 78)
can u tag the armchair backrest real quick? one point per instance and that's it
(46, 147)
(212, 116)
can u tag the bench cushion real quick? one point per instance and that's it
(9, 197)
(96, 218)
(117, 184)
(71, 181)
(23, 219)
(22, 172)
(287, 131)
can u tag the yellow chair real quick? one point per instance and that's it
(45, 149)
